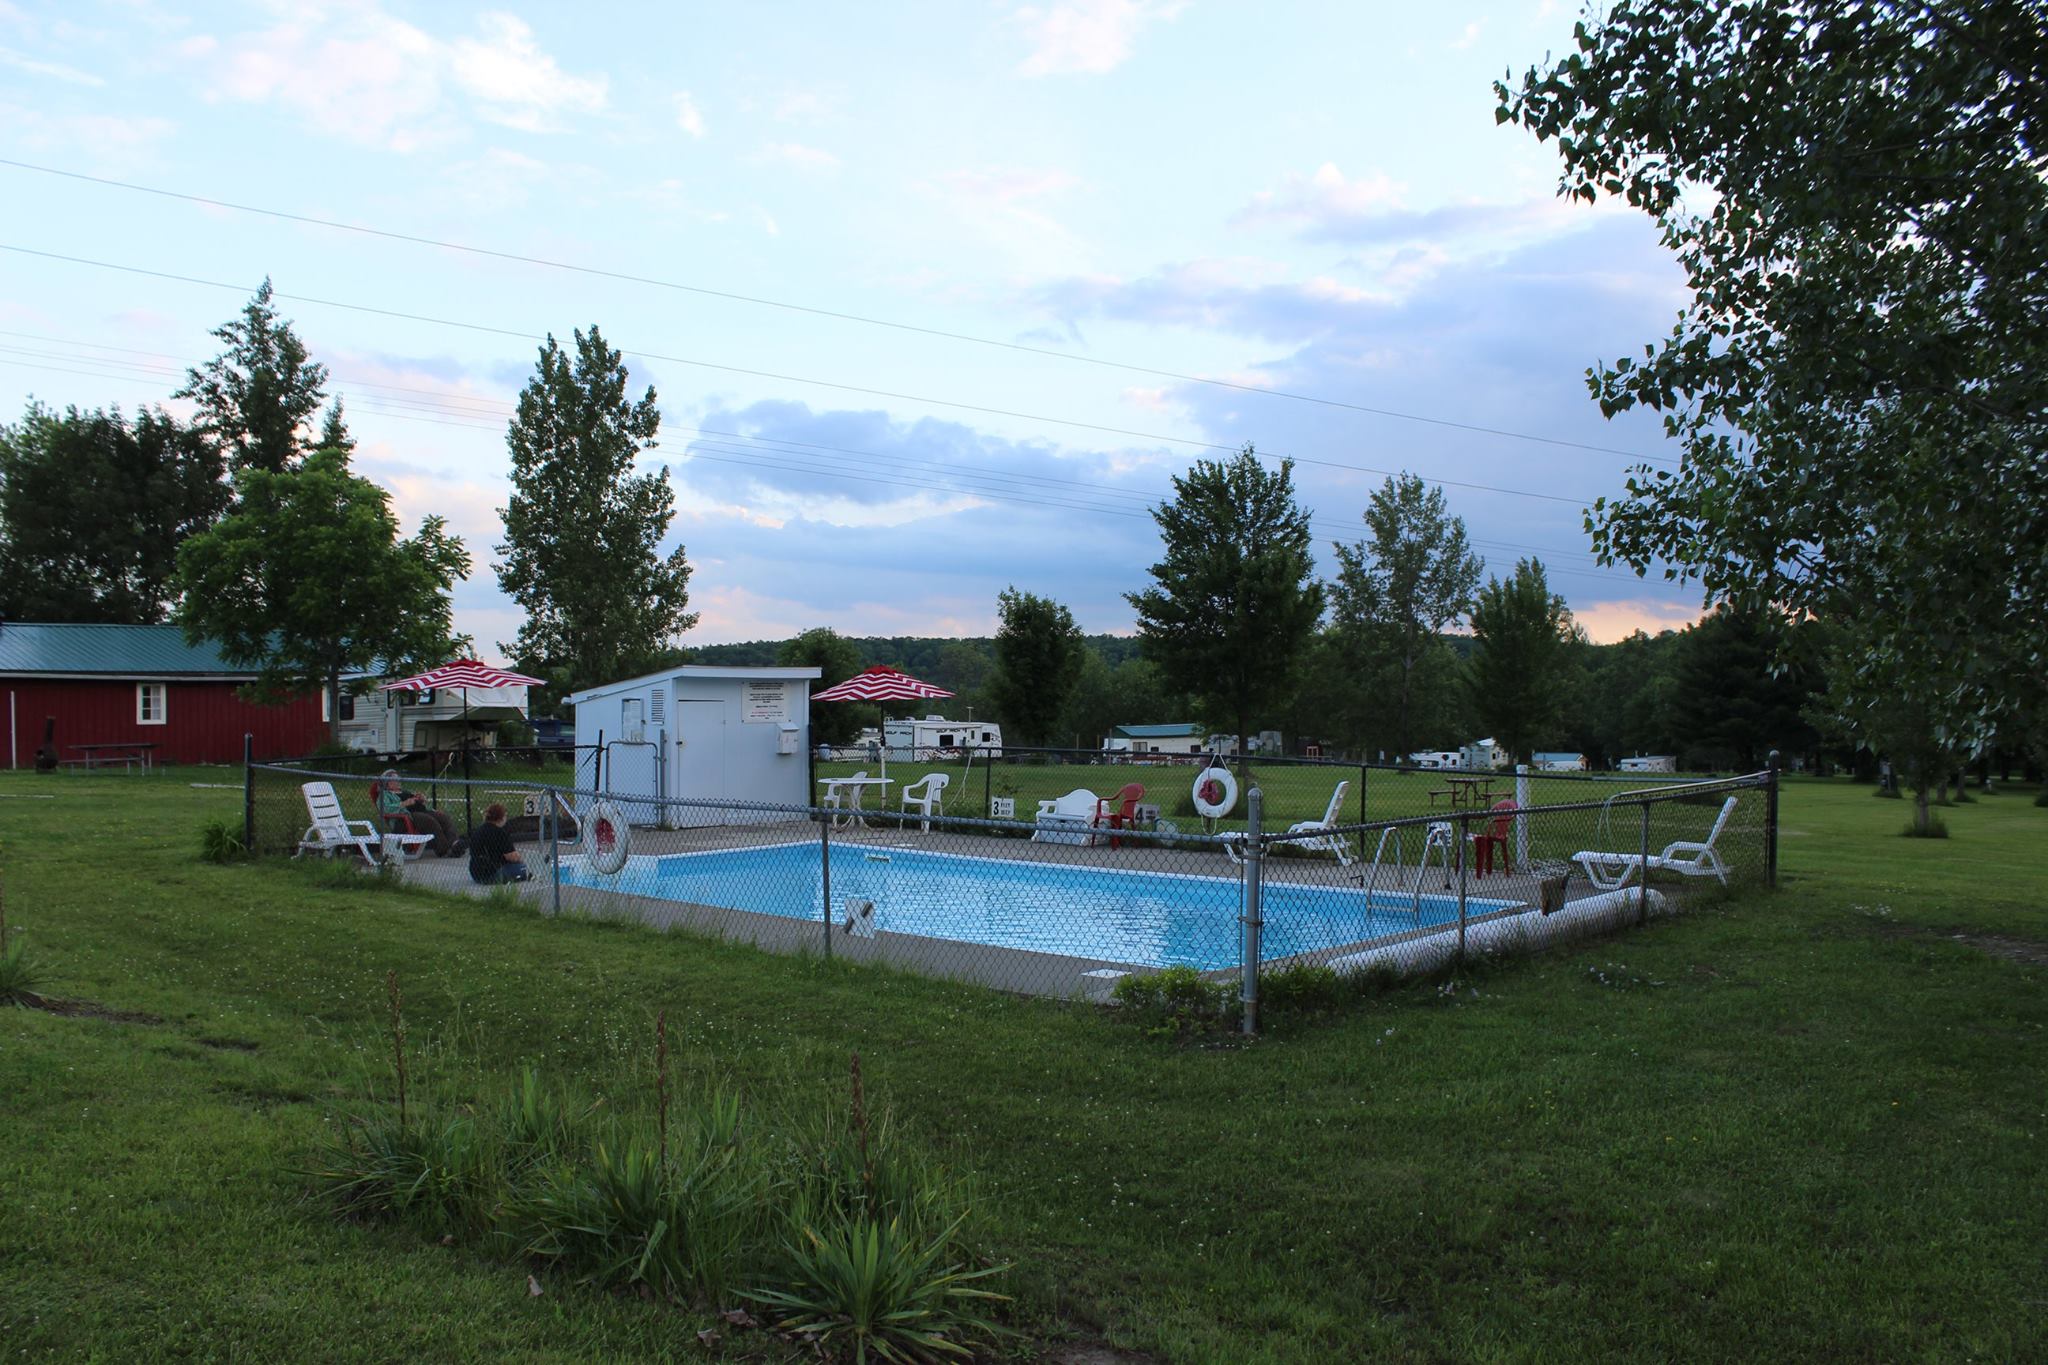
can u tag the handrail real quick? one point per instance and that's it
(1430, 841)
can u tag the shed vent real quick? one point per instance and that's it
(658, 706)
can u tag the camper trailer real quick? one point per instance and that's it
(1649, 763)
(396, 722)
(935, 737)
(1434, 758)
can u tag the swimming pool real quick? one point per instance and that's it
(1149, 919)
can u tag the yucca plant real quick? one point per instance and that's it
(20, 978)
(873, 1289)
(442, 1172)
(621, 1215)
(220, 842)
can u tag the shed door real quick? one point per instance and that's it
(699, 769)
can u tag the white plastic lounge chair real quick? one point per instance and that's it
(927, 796)
(1325, 839)
(1612, 871)
(1068, 819)
(331, 831)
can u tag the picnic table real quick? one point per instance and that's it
(1465, 791)
(106, 755)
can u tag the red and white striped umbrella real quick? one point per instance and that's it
(880, 683)
(463, 673)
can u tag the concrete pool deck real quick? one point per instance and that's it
(1018, 970)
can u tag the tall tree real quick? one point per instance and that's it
(1234, 601)
(93, 509)
(334, 432)
(583, 530)
(1860, 381)
(1038, 654)
(307, 581)
(1729, 701)
(1397, 590)
(257, 397)
(825, 648)
(1523, 637)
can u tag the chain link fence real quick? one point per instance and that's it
(1066, 893)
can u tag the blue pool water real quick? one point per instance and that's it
(1151, 919)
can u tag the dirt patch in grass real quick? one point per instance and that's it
(1095, 1353)
(85, 1009)
(2017, 949)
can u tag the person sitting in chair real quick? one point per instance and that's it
(396, 807)
(491, 855)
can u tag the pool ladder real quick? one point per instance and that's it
(1440, 837)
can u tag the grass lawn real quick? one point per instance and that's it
(1806, 1124)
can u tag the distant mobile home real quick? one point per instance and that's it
(1155, 739)
(1558, 763)
(390, 722)
(1649, 763)
(700, 733)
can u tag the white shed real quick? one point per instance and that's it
(700, 733)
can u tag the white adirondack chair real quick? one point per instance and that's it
(332, 832)
(1612, 871)
(1068, 819)
(927, 796)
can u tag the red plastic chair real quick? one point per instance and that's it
(1494, 834)
(1119, 811)
(398, 822)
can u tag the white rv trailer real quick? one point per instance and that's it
(933, 737)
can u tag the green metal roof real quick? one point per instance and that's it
(108, 651)
(1159, 731)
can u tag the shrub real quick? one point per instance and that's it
(220, 842)
(441, 1172)
(859, 1287)
(1937, 828)
(1179, 1002)
(21, 979)
(1308, 988)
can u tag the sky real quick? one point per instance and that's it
(936, 298)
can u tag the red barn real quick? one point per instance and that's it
(138, 685)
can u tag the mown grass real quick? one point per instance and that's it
(1794, 1125)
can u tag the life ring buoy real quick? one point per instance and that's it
(610, 839)
(1215, 793)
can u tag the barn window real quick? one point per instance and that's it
(149, 703)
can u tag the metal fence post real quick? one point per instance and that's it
(1643, 901)
(1464, 843)
(249, 792)
(554, 845)
(988, 784)
(1254, 876)
(1521, 821)
(1771, 822)
(1363, 772)
(825, 875)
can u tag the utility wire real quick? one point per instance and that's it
(805, 457)
(786, 378)
(813, 311)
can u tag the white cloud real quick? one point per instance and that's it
(1465, 39)
(56, 71)
(688, 117)
(364, 76)
(1085, 36)
(802, 157)
(1324, 195)
(516, 83)
(1606, 622)
(1005, 205)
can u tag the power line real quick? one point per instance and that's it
(995, 484)
(814, 311)
(784, 378)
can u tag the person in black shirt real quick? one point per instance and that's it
(491, 855)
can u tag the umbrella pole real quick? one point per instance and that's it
(468, 814)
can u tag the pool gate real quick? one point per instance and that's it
(1051, 887)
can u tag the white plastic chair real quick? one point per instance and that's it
(1612, 871)
(331, 831)
(836, 799)
(927, 796)
(1325, 839)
